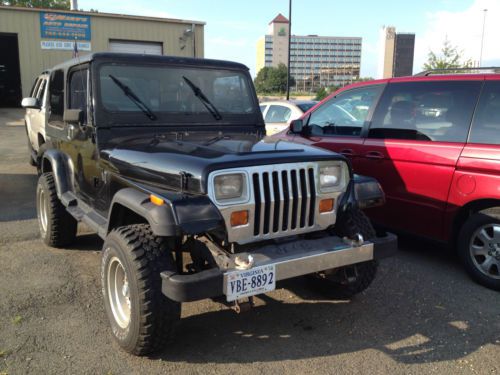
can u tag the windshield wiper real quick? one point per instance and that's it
(207, 103)
(134, 98)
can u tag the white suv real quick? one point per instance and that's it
(36, 115)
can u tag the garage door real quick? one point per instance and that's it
(126, 46)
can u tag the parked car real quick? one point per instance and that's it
(433, 142)
(36, 115)
(166, 159)
(278, 114)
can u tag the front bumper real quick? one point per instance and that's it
(291, 259)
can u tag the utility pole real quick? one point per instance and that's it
(482, 38)
(289, 42)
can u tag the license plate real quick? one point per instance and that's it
(246, 283)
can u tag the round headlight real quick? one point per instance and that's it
(330, 176)
(228, 186)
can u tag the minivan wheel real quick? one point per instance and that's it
(57, 226)
(479, 249)
(142, 319)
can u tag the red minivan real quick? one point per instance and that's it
(433, 143)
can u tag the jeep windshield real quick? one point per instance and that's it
(187, 94)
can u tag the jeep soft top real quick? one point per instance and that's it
(166, 159)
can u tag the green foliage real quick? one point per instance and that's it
(17, 319)
(272, 79)
(51, 4)
(448, 58)
(363, 79)
(321, 94)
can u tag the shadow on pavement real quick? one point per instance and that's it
(17, 196)
(292, 331)
(420, 309)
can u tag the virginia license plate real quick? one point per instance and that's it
(246, 283)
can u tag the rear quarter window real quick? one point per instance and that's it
(486, 125)
(430, 111)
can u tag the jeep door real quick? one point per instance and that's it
(418, 131)
(339, 122)
(75, 138)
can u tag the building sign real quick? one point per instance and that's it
(64, 26)
(63, 45)
(282, 32)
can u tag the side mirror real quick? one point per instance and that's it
(297, 126)
(73, 116)
(30, 103)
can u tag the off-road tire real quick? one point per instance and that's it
(348, 281)
(153, 316)
(59, 228)
(473, 223)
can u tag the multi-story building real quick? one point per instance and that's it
(396, 54)
(315, 61)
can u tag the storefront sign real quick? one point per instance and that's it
(64, 26)
(68, 46)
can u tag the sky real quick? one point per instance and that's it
(233, 27)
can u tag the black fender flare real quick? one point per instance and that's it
(161, 218)
(60, 166)
(176, 216)
(368, 192)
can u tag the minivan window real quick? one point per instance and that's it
(428, 111)
(345, 113)
(56, 95)
(486, 125)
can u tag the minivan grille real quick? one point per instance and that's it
(285, 200)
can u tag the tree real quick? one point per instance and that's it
(449, 58)
(51, 4)
(363, 79)
(321, 94)
(272, 79)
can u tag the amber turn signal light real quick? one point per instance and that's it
(156, 200)
(239, 218)
(326, 205)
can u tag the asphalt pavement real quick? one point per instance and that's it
(422, 315)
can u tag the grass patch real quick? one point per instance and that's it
(17, 319)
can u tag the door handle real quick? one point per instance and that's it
(347, 152)
(374, 155)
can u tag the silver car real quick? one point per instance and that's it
(36, 115)
(279, 114)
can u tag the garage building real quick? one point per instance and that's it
(33, 40)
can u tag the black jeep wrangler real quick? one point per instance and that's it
(167, 159)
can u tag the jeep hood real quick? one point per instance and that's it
(184, 164)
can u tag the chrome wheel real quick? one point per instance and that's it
(42, 209)
(118, 292)
(485, 250)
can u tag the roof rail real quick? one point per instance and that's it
(478, 69)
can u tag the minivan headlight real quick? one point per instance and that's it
(330, 176)
(229, 186)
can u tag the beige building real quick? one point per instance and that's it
(33, 40)
(315, 61)
(272, 49)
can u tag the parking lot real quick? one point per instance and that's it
(421, 315)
